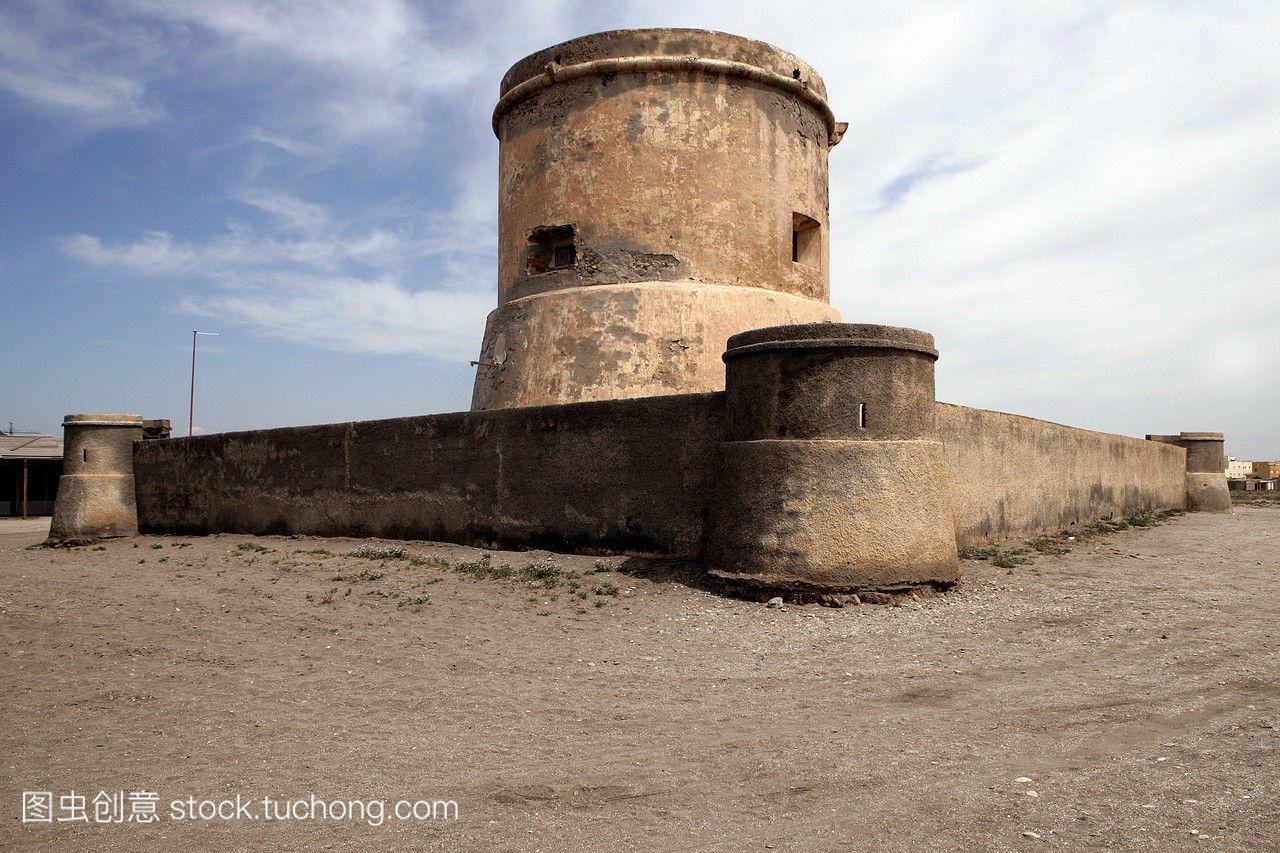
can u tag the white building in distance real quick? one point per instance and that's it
(1238, 469)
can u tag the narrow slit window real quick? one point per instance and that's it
(862, 416)
(551, 247)
(85, 454)
(806, 240)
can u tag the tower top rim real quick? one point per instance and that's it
(664, 42)
(666, 50)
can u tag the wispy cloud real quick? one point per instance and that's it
(377, 315)
(1110, 226)
(1080, 200)
(289, 210)
(341, 72)
(314, 279)
(53, 60)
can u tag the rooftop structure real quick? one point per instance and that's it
(30, 466)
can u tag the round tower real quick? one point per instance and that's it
(96, 491)
(659, 191)
(831, 476)
(1206, 475)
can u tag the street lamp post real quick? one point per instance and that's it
(191, 410)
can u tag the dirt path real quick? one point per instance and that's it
(1135, 683)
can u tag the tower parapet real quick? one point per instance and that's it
(831, 477)
(659, 191)
(96, 491)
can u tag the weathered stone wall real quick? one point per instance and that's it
(621, 475)
(1013, 476)
(626, 475)
(1206, 469)
(95, 491)
(674, 166)
(831, 477)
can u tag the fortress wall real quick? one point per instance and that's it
(618, 475)
(1013, 476)
(622, 475)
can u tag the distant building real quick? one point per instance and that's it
(1238, 469)
(29, 469)
(1266, 470)
(1252, 484)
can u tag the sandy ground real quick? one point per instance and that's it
(1123, 696)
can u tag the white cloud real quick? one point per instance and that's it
(317, 76)
(377, 315)
(55, 62)
(288, 209)
(101, 98)
(418, 289)
(340, 73)
(154, 253)
(1079, 200)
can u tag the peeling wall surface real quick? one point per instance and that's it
(670, 167)
(610, 476)
(627, 475)
(1014, 476)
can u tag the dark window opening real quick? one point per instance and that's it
(85, 453)
(551, 247)
(806, 240)
(563, 256)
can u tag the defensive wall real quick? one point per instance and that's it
(1012, 476)
(613, 475)
(738, 479)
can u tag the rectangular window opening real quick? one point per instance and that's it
(551, 247)
(806, 240)
(563, 256)
(862, 416)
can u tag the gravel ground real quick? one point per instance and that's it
(1123, 696)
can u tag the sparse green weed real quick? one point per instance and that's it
(361, 576)
(1008, 559)
(414, 604)
(1050, 545)
(380, 552)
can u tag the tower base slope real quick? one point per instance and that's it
(622, 341)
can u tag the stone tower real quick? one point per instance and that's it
(832, 476)
(1206, 469)
(96, 490)
(659, 191)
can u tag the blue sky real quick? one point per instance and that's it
(1080, 200)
